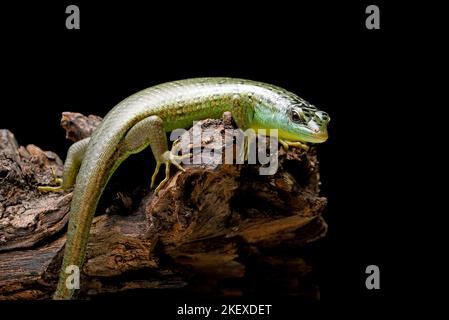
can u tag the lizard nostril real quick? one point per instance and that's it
(324, 116)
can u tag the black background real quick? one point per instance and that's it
(323, 52)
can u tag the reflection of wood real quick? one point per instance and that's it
(216, 228)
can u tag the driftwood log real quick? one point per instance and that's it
(218, 229)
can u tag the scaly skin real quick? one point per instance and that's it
(150, 113)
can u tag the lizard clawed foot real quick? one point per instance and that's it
(294, 144)
(169, 158)
(56, 180)
(177, 146)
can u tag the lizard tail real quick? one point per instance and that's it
(88, 190)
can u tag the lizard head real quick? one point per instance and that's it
(303, 122)
(295, 119)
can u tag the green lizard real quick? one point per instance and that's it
(143, 119)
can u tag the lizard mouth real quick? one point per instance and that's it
(315, 137)
(305, 135)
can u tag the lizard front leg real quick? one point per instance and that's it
(151, 131)
(295, 144)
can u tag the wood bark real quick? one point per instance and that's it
(216, 228)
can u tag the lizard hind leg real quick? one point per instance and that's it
(75, 156)
(150, 131)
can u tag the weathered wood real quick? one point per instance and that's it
(209, 225)
(78, 126)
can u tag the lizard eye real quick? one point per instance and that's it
(295, 116)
